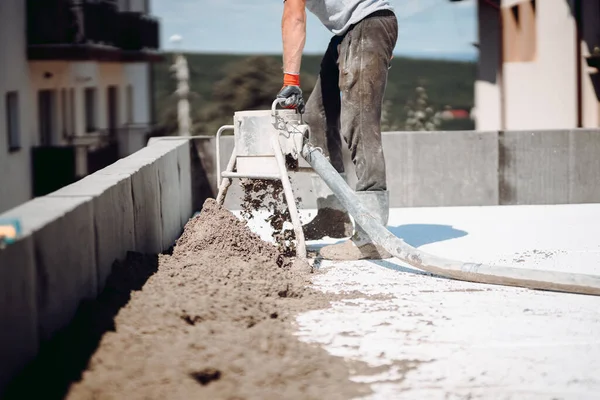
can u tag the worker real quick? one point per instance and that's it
(347, 96)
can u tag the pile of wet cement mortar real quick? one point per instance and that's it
(215, 321)
(269, 196)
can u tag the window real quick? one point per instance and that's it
(46, 116)
(519, 33)
(130, 104)
(112, 108)
(64, 113)
(90, 110)
(72, 111)
(12, 121)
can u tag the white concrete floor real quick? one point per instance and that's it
(446, 339)
(435, 338)
(443, 339)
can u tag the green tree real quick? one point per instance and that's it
(420, 115)
(388, 122)
(448, 83)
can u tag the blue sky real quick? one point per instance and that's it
(428, 28)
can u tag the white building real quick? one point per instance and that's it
(75, 89)
(536, 69)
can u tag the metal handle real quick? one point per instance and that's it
(280, 101)
(274, 114)
(274, 105)
(219, 132)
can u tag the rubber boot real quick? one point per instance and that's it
(360, 245)
(332, 219)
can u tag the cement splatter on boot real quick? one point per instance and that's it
(332, 219)
(328, 222)
(360, 246)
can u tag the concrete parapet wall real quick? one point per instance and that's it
(64, 254)
(112, 222)
(442, 168)
(493, 168)
(460, 168)
(584, 166)
(72, 237)
(19, 337)
(549, 167)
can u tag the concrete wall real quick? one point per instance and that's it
(72, 237)
(15, 166)
(555, 167)
(442, 168)
(457, 168)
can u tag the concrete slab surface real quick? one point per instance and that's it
(435, 338)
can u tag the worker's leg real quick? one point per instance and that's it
(322, 115)
(365, 56)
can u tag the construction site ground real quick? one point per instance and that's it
(439, 338)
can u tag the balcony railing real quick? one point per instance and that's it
(88, 29)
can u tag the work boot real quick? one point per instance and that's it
(360, 245)
(332, 219)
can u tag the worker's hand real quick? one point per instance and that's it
(292, 96)
(290, 93)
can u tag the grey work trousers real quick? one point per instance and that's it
(355, 64)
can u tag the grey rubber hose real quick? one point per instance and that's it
(471, 272)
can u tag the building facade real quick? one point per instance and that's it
(537, 65)
(75, 89)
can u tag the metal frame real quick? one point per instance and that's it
(224, 179)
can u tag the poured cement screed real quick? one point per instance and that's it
(439, 338)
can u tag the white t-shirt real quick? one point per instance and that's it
(339, 15)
